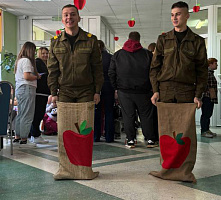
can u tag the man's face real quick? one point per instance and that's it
(179, 17)
(70, 17)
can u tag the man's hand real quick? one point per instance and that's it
(155, 98)
(198, 102)
(96, 98)
(53, 100)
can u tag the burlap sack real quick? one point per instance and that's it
(67, 115)
(178, 156)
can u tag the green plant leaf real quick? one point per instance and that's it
(86, 131)
(83, 125)
(179, 140)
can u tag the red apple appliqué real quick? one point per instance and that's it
(116, 38)
(80, 4)
(174, 151)
(58, 32)
(131, 22)
(79, 147)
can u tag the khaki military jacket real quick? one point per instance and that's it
(80, 68)
(187, 64)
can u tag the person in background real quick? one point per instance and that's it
(152, 47)
(26, 76)
(42, 94)
(107, 101)
(129, 75)
(209, 99)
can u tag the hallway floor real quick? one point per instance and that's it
(27, 174)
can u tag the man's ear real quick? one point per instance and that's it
(188, 16)
(79, 19)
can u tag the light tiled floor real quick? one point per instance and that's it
(124, 173)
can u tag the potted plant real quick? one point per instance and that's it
(8, 63)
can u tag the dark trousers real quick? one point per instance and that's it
(131, 102)
(207, 112)
(107, 102)
(40, 106)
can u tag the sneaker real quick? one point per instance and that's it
(38, 140)
(16, 141)
(207, 134)
(152, 144)
(214, 134)
(130, 144)
(26, 144)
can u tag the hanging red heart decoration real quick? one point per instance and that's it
(80, 4)
(196, 8)
(116, 38)
(131, 22)
(58, 32)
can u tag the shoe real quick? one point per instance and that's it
(16, 141)
(130, 144)
(38, 140)
(26, 144)
(214, 134)
(152, 144)
(207, 134)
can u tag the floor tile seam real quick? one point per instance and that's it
(125, 161)
(214, 149)
(55, 158)
(28, 160)
(121, 158)
(48, 152)
(135, 149)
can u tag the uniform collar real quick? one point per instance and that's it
(190, 36)
(81, 35)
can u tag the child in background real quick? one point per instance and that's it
(209, 99)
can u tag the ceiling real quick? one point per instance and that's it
(152, 16)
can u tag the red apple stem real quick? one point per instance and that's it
(77, 127)
(174, 134)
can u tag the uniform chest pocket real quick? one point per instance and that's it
(168, 50)
(189, 52)
(60, 50)
(84, 50)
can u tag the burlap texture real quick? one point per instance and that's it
(175, 118)
(67, 115)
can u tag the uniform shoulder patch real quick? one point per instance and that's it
(89, 35)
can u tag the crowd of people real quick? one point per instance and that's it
(175, 69)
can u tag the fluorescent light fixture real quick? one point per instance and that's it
(37, 0)
(201, 23)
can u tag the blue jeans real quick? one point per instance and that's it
(25, 96)
(207, 112)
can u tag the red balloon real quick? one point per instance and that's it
(131, 23)
(196, 8)
(80, 4)
(116, 38)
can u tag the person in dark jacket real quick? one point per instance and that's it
(129, 75)
(107, 101)
(42, 94)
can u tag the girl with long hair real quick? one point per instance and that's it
(26, 76)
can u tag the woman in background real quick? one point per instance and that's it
(26, 76)
(42, 94)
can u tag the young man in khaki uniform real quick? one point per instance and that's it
(178, 74)
(74, 64)
(179, 66)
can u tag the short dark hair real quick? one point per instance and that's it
(180, 4)
(152, 47)
(134, 36)
(70, 6)
(101, 45)
(212, 60)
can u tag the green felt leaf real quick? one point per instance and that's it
(179, 140)
(132, 19)
(86, 131)
(83, 125)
